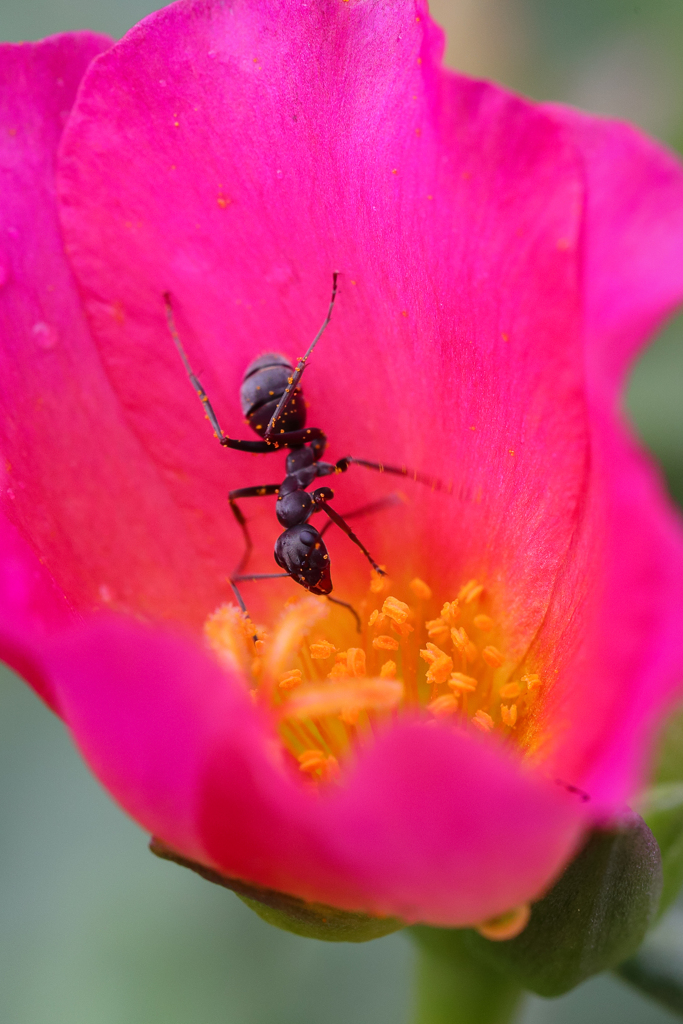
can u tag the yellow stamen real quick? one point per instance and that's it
(438, 630)
(506, 926)
(291, 679)
(335, 698)
(294, 624)
(463, 644)
(464, 684)
(492, 657)
(385, 643)
(396, 610)
(420, 589)
(378, 584)
(532, 681)
(450, 612)
(509, 715)
(321, 650)
(483, 721)
(483, 622)
(510, 691)
(388, 670)
(443, 706)
(355, 661)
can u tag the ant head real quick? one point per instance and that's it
(264, 384)
(301, 552)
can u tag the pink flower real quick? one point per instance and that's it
(501, 263)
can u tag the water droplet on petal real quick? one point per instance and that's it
(45, 336)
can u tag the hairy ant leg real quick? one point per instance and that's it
(320, 498)
(301, 365)
(345, 604)
(390, 501)
(247, 492)
(261, 447)
(411, 474)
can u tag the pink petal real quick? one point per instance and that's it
(430, 825)
(614, 630)
(78, 485)
(31, 607)
(458, 253)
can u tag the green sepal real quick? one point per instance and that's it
(662, 809)
(595, 916)
(312, 920)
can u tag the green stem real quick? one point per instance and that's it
(454, 988)
(659, 980)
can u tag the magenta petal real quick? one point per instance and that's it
(452, 211)
(146, 709)
(31, 608)
(77, 484)
(614, 628)
(430, 825)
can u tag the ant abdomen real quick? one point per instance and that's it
(264, 384)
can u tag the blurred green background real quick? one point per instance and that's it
(93, 929)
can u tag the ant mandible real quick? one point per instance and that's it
(271, 398)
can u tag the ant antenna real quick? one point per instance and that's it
(194, 380)
(335, 600)
(301, 365)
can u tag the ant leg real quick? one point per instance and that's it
(194, 380)
(344, 604)
(390, 501)
(247, 492)
(233, 580)
(412, 474)
(301, 364)
(261, 447)
(320, 498)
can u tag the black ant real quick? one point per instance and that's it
(270, 399)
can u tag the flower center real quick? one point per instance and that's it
(330, 690)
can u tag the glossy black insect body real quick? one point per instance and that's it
(273, 405)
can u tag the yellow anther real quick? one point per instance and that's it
(474, 593)
(378, 583)
(492, 657)
(291, 679)
(350, 717)
(388, 670)
(403, 628)
(225, 632)
(443, 706)
(431, 654)
(450, 612)
(506, 926)
(373, 618)
(420, 589)
(463, 644)
(311, 760)
(339, 670)
(483, 622)
(256, 667)
(466, 588)
(356, 661)
(532, 681)
(440, 669)
(509, 714)
(483, 721)
(510, 691)
(322, 649)
(438, 630)
(385, 643)
(342, 695)
(397, 611)
(462, 683)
